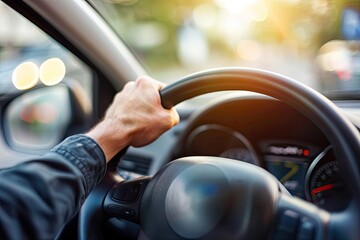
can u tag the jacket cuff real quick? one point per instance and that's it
(85, 154)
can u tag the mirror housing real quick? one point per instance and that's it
(38, 119)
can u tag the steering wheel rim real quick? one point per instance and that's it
(311, 103)
(341, 133)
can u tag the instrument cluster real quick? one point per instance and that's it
(304, 170)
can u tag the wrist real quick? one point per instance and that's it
(111, 137)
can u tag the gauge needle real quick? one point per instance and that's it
(322, 188)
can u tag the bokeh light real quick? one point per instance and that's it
(26, 114)
(205, 15)
(335, 56)
(249, 50)
(192, 46)
(52, 71)
(283, 36)
(320, 7)
(46, 113)
(259, 12)
(148, 35)
(25, 75)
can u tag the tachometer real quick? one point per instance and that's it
(326, 186)
(239, 154)
(218, 140)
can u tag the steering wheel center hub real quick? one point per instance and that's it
(208, 197)
(197, 200)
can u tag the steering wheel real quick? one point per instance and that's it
(217, 198)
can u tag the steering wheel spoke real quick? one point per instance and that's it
(297, 219)
(123, 200)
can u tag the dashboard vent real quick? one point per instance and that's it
(132, 166)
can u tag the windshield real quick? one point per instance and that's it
(316, 41)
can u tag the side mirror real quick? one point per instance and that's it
(38, 119)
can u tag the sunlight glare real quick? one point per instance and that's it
(234, 5)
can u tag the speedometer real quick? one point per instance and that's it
(326, 186)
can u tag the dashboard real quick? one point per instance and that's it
(262, 131)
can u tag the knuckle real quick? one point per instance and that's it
(141, 79)
(128, 85)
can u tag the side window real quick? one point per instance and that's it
(44, 88)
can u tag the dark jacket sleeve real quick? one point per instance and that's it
(37, 197)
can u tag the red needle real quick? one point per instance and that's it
(322, 188)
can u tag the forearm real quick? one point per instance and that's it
(39, 196)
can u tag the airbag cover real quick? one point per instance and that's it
(209, 198)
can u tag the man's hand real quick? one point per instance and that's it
(136, 117)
